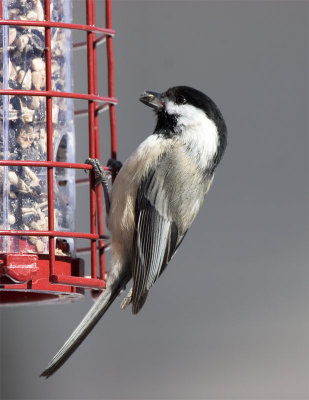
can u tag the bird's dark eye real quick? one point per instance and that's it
(180, 99)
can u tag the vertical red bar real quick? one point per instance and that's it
(111, 79)
(49, 130)
(97, 155)
(91, 127)
(1, 10)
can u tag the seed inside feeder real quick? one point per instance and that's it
(23, 195)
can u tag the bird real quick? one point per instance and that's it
(154, 199)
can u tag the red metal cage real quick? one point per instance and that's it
(26, 277)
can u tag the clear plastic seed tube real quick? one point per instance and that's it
(23, 189)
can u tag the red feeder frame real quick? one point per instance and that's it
(26, 277)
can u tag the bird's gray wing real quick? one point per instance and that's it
(157, 237)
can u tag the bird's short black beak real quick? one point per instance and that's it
(153, 100)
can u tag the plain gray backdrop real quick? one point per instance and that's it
(229, 317)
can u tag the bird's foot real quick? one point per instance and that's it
(100, 175)
(114, 165)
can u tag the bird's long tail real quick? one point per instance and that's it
(98, 309)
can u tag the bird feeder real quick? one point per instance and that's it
(38, 256)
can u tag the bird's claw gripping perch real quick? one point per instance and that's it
(101, 177)
(114, 165)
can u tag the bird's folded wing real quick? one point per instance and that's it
(157, 237)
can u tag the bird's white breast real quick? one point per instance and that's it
(124, 190)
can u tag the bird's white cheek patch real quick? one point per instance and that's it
(197, 131)
(204, 139)
(186, 113)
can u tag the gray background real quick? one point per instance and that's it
(229, 317)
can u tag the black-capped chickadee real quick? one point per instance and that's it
(155, 198)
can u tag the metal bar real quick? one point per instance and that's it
(58, 164)
(80, 45)
(98, 40)
(78, 281)
(51, 93)
(49, 233)
(81, 112)
(111, 80)
(81, 181)
(91, 124)
(97, 152)
(51, 24)
(49, 131)
(102, 107)
(98, 110)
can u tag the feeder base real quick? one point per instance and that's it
(26, 278)
(13, 297)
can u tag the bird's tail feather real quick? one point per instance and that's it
(98, 309)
